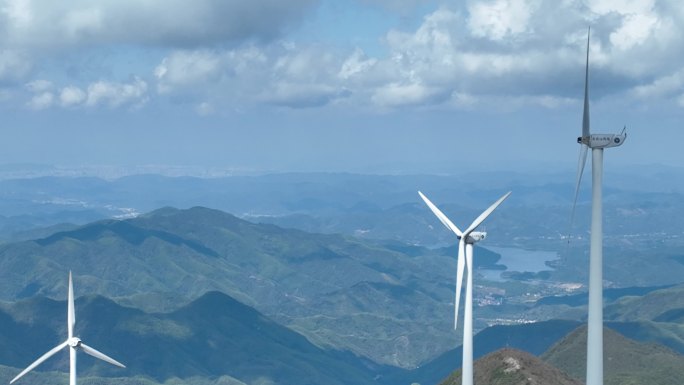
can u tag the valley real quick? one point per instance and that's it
(325, 265)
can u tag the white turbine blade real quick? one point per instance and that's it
(90, 351)
(459, 278)
(485, 214)
(41, 359)
(443, 218)
(580, 170)
(585, 116)
(71, 314)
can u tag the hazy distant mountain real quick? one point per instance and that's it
(513, 367)
(387, 207)
(339, 291)
(626, 361)
(660, 305)
(210, 337)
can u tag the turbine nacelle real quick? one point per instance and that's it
(476, 236)
(603, 140)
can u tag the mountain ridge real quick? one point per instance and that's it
(212, 336)
(177, 255)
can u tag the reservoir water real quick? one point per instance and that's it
(521, 260)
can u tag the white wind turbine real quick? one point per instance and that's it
(597, 142)
(74, 344)
(466, 240)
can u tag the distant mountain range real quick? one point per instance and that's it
(364, 302)
(384, 300)
(216, 340)
(339, 291)
(210, 337)
(387, 207)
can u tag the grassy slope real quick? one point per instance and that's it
(626, 361)
(513, 367)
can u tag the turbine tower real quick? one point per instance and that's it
(597, 142)
(466, 240)
(74, 344)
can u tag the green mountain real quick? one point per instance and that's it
(626, 361)
(534, 338)
(339, 291)
(211, 337)
(512, 367)
(653, 306)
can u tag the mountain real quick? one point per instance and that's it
(513, 367)
(626, 361)
(534, 338)
(210, 337)
(609, 295)
(339, 291)
(660, 305)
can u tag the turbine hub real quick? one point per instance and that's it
(74, 342)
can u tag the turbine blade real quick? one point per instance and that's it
(585, 116)
(459, 278)
(40, 360)
(443, 218)
(90, 351)
(71, 314)
(485, 214)
(580, 170)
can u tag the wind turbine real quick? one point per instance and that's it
(74, 344)
(466, 240)
(597, 142)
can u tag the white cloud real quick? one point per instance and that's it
(397, 95)
(79, 23)
(50, 24)
(485, 51)
(499, 19)
(41, 101)
(71, 96)
(13, 65)
(100, 93)
(39, 85)
(603, 7)
(187, 68)
(663, 86)
(204, 109)
(402, 7)
(526, 59)
(355, 64)
(17, 12)
(299, 95)
(280, 74)
(117, 94)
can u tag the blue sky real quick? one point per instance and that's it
(319, 85)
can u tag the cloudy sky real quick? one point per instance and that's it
(337, 85)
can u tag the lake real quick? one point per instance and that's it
(521, 260)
